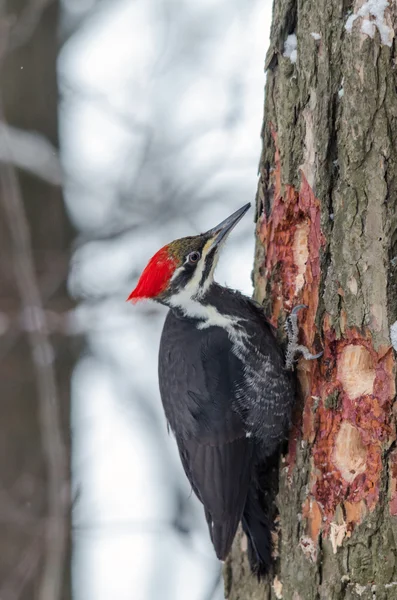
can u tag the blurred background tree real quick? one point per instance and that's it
(156, 108)
(36, 355)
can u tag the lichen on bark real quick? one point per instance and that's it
(327, 236)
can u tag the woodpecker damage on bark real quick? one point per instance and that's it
(327, 237)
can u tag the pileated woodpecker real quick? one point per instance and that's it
(224, 383)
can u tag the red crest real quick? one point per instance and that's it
(155, 276)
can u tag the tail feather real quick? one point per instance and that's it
(222, 534)
(257, 527)
(259, 514)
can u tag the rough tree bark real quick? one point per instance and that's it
(327, 237)
(36, 356)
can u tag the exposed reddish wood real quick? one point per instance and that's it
(312, 512)
(351, 436)
(292, 238)
(348, 395)
(355, 513)
(350, 455)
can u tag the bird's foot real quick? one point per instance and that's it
(293, 347)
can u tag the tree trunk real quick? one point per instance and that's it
(35, 353)
(327, 237)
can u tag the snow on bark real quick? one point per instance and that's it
(291, 48)
(393, 335)
(372, 15)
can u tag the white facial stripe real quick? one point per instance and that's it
(186, 298)
(201, 291)
(193, 283)
(176, 272)
(210, 277)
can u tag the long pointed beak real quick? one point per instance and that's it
(221, 231)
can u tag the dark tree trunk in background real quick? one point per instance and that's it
(327, 237)
(35, 354)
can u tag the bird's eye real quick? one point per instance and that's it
(193, 257)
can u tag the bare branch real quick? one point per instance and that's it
(30, 151)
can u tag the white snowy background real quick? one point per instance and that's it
(161, 110)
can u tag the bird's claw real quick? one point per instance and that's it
(293, 348)
(297, 308)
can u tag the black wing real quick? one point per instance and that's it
(219, 475)
(197, 382)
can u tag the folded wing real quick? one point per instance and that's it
(215, 451)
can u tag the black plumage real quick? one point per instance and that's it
(227, 398)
